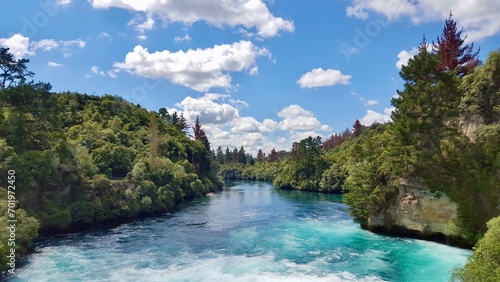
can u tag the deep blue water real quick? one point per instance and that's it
(248, 232)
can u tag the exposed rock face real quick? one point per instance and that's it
(418, 213)
(468, 126)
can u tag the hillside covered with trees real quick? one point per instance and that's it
(444, 135)
(81, 160)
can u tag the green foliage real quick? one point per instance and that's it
(481, 90)
(85, 159)
(305, 168)
(12, 72)
(332, 179)
(484, 265)
(26, 230)
(371, 181)
(114, 160)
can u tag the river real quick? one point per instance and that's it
(250, 231)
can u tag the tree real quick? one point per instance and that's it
(165, 115)
(337, 139)
(453, 54)
(260, 156)
(481, 90)
(356, 128)
(182, 124)
(242, 157)
(220, 155)
(234, 156)
(227, 156)
(174, 118)
(484, 265)
(251, 159)
(273, 156)
(199, 134)
(305, 167)
(429, 99)
(13, 72)
(154, 141)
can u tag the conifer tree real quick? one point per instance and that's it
(242, 157)
(220, 155)
(199, 134)
(260, 156)
(453, 54)
(227, 156)
(12, 71)
(273, 156)
(356, 128)
(234, 156)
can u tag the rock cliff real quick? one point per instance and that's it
(417, 212)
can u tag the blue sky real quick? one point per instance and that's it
(258, 73)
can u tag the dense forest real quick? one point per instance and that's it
(444, 135)
(79, 160)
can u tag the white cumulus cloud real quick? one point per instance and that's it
(372, 116)
(404, 56)
(297, 118)
(18, 44)
(478, 17)
(208, 111)
(250, 124)
(199, 69)
(320, 77)
(250, 14)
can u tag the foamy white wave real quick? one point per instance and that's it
(237, 268)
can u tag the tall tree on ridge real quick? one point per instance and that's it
(182, 123)
(356, 128)
(452, 53)
(242, 157)
(260, 155)
(11, 70)
(273, 156)
(199, 134)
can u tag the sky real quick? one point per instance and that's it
(257, 73)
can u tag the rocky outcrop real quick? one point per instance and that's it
(417, 212)
(468, 126)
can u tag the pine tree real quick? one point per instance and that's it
(220, 155)
(273, 156)
(453, 54)
(234, 156)
(356, 128)
(242, 157)
(199, 134)
(182, 123)
(227, 156)
(260, 156)
(12, 71)
(165, 115)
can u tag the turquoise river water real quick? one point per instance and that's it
(248, 232)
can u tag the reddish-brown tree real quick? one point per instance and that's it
(273, 156)
(199, 134)
(336, 139)
(453, 54)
